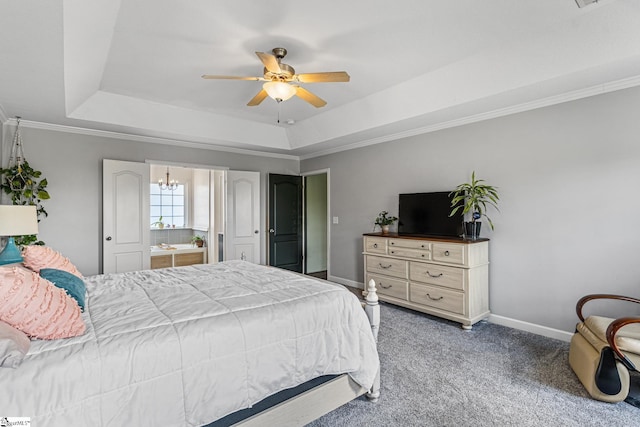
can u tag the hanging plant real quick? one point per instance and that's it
(24, 185)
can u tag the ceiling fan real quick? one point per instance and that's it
(282, 81)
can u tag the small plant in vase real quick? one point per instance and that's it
(473, 198)
(384, 221)
(198, 241)
(158, 223)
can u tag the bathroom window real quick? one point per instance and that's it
(168, 204)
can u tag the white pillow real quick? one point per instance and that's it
(14, 344)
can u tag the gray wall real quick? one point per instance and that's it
(568, 176)
(72, 164)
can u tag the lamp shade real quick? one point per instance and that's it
(18, 220)
(279, 90)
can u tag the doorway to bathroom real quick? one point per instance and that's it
(158, 211)
(187, 215)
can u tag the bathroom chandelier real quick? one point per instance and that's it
(169, 185)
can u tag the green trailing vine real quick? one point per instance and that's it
(25, 186)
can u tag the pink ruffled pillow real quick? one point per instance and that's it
(36, 306)
(38, 257)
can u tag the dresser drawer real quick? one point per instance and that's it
(387, 266)
(436, 297)
(410, 253)
(409, 244)
(444, 252)
(375, 245)
(450, 277)
(392, 287)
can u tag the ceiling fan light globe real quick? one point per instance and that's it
(279, 90)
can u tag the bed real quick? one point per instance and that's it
(191, 345)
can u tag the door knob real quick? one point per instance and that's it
(108, 239)
(271, 230)
(257, 231)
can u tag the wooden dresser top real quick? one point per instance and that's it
(432, 238)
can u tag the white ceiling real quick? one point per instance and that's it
(134, 66)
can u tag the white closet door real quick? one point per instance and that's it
(242, 238)
(125, 213)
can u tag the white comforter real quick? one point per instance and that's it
(186, 346)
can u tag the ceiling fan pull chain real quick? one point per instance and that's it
(278, 101)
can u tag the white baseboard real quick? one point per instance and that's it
(346, 282)
(493, 318)
(530, 327)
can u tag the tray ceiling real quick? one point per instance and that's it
(134, 66)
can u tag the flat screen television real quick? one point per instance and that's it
(428, 214)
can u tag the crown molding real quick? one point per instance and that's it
(150, 139)
(501, 112)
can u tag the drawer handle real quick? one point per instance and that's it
(393, 252)
(375, 245)
(422, 255)
(385, 266)
(422, 246)
(434, 299)
(434, 275)
(392, 243)
(446, 253)
(383, 286)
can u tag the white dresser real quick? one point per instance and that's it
(445, 277)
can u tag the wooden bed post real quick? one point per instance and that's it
(372, 308)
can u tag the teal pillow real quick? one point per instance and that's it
(69, 282)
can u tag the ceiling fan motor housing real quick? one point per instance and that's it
(286, 73)
(279, 52)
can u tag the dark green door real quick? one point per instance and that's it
(285, 222)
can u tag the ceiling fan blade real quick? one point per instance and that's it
(256, 100)
(328, 77)
(270, 62)
(310, 98)
(211, 76)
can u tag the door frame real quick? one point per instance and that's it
(326, 171)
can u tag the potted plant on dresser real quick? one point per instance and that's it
(473, 198)
(384, 221)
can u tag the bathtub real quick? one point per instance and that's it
(177, 255)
